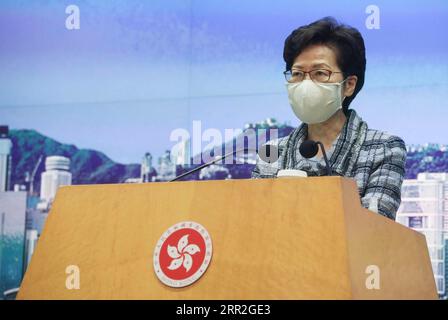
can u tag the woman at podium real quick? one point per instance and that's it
(325, 69)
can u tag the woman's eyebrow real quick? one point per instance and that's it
(315, 65)
(321, 65)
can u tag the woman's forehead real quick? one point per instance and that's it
(316, 56)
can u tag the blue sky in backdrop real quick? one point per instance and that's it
(136, 70)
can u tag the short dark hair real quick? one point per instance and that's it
(346, 42)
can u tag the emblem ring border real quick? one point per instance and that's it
(202, 269)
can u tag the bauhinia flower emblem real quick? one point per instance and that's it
(182, 254)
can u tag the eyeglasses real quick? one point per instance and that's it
(318, 75)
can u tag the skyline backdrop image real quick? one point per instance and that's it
(135, 71)
(92, 92)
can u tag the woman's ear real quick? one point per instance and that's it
(350, 85)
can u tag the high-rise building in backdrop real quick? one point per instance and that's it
(12, 239)
(167, 168)
(181, 153)
(424, 208)
(5, 158)
(57, 173)
(146, 167)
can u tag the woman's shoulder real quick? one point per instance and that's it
(384, 145)
(383, 138)
(376, 138)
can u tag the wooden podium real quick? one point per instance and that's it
(302, 238)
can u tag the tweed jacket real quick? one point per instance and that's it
(374, 159)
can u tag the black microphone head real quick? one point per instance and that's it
(308, 149)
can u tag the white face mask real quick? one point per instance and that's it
(315, 102)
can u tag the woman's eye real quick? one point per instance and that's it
(321, 73)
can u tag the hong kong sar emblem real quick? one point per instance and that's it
(182, 254)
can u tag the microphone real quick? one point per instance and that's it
(266, 152)
(309, 149)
